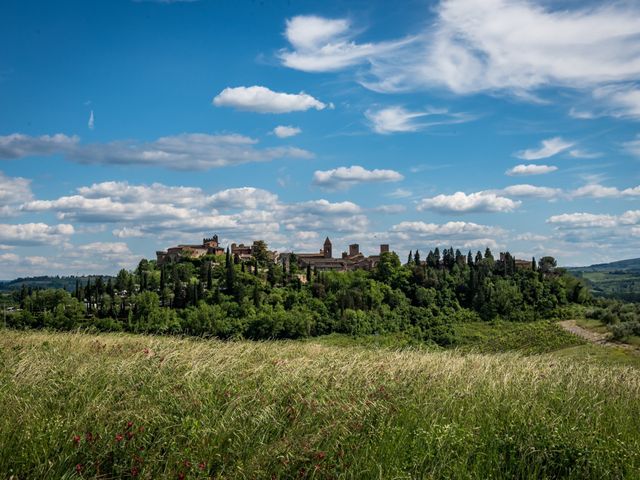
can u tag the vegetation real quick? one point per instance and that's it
(131, 406)
(619, 280)
(257, 299)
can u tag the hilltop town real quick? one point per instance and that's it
(323, 260)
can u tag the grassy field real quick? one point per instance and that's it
(125, 406)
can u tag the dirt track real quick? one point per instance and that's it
(593, 337)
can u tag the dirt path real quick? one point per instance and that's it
(593, 337)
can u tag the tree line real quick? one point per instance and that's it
(226, 297)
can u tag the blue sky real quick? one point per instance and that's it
(130, 126)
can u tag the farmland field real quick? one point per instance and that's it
(113, 405)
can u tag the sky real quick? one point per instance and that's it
(128, 127)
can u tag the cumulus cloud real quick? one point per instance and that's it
(463, 234)
(390, 209)
(530, 191)
(595, 190)
(187, 151)
(28, 234)
(397, 119)
(345, 177)
(13, 192)
(286, 131)
(460, 202)
(263, 100)
(323, 44)
(245, 197)
(531, 169)
(548, 148)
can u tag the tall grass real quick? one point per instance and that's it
(121, 406)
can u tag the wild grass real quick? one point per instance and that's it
(120, 406)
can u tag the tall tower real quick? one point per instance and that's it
(326, 249)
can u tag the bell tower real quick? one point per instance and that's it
(326, 249)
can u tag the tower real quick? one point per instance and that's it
(326, 249)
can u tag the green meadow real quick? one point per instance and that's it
(78, 405)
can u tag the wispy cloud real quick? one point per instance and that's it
(187, 151)
(548, 148)
(397, 119)
(91, 121)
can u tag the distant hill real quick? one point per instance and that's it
(67, 283)
(619, 279)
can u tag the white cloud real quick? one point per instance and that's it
(619, 100)
(577, 153)
(595, 190)
(633, 146)
(397, 119)
(460, 202)
(549, 148)
(245, 197)
(127, 232)
(390, 209)
(187, 151)
(531, 169)
(18, 145)
(13, 192)
(457, 229)
(505, 45)
(155, 193)
(345, 177)
(27, 234)
(91, 122)
(263, 100)
(286, 131)
(323, 45)
(400, 193)
(531, 191)
(583, 220)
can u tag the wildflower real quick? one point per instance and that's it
(141, 429)
(89, 437)
(119, 438)
(76, 440)
(129, 425)
(79, 468)
(180, 476)
(129, 435)
(320, 455)
(202, 465)
(134, 472)
(187, 463)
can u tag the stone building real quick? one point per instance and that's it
(351, 260)
(210, 246)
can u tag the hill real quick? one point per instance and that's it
(65, 282)
(123, 406)
(620, 279)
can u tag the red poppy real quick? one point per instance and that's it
(187, 463)
(129, 435)
(134, 472)
(129, 425)
(76, 439)
(119, 438)
(202, 465)
(79, 468)
(180, 476)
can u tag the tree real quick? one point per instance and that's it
(436, 257)
(533, 264)
(416, 258)
(309, 273)
(547, 265)
(410, 258)
(260, 253)
(469, 259)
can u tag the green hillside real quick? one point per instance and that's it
(619, 279)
